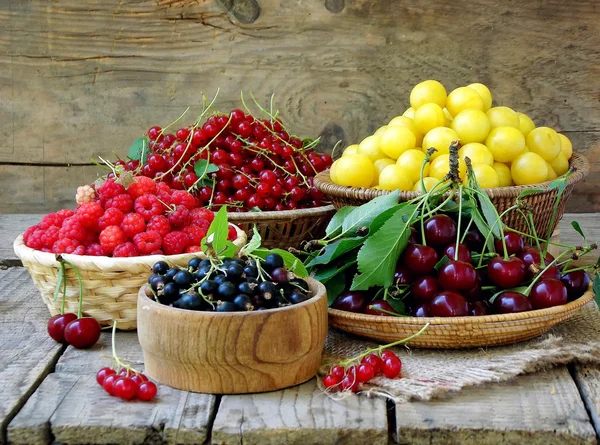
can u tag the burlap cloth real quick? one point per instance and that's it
(431, 373)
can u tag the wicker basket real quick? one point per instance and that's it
(458, 332)
(503, 197)
(287, 228)
(110, 285)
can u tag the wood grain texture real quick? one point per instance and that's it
(69, 407)
(301, 415)
(27, 354)
(85, 78)
(543, 408)
(12, 226)
(234, 352)
(587, 379)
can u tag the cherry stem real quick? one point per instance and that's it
(458, 225)
(499, 220)
(79, 309)
(466, 230)
(115, 357)
(385, 311)
(381, 348)
(541, 273)
(64, 288)
(510, 229)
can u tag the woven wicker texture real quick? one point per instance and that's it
(110, 285)
(287, 228)
(457, 332)
(541, 203)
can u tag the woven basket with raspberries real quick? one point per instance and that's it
(109, 244)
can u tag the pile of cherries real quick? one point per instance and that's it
(227, 285)
(260, 165)
(126, 384)
(462, 285)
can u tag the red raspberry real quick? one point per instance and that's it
(183, 198)
(36, 239)
(67, 245)
(72, 229)
(51, 219)
(231, 233)
(179, 217)
(109, 190)
(90, 238)
(147, 242)
(110, 238)
(141, 186)
(88, 214)
(160, 224)
(148, 206)
(94, 250)
(127, 249)
(166, 198)
(175, 243)
(157, 252)
(64, 214)
(111, 217)
(133, 224)
(196, 233)
(28, 233)
(122, 202)
(163, 187)
(200, 214)
(192, 249)
(50, 236)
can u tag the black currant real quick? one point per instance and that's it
(280, 275)
(299, 283)
(171, 274)
(258, 301)
(204, 263)
(243, 302)
(297, 297)
(234, 271)
(208, 287)
(152, 277)
(169, 294)
(251, 272)
(237, 262)
(226, 306)
(267, 289)
(183, 279)
(160, 268)
(192, 301)
(194, 263)
(219, 279)
(246, 288)
(226, 291)
(157, 283)
(273, 261)
(226, 261)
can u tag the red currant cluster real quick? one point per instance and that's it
(144, 218)
(257, 163)
(126, 384)
(348, 378)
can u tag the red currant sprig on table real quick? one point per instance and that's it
(127, 383)
(349, 374)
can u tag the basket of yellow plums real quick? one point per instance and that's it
(508, 154)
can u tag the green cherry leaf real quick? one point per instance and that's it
(577, 228)
(138, 151)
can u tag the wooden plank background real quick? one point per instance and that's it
(80, 79)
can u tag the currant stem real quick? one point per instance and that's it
(115, 357)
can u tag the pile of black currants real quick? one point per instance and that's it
(227, 285)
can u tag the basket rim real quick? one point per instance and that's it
(277, 215)
(88, 262)
(377, 320)
(320, 294)
(323, 182)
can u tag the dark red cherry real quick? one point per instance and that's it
(548, 292)
(551, 272)
(510, 302)
(420, 310)
(474, 240)
(420, 259)
(474, 293)
(375, 305)
(449, 304)
(57, 324)
(506, 273)
(425, 288)
(514, 243)
(82, 333)
(353, 301)
(479, 308)
(440, 230)
(402, 275)
(532, 258)
(576, 282)
(457, 275)
(464, 254)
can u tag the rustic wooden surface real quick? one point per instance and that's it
(68, 407)
(82, 79)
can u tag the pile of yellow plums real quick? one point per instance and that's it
(504, 146)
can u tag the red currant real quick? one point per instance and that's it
(146, 391)
(154, 132)
(329, 381)
(257, 164)
(103, 373)
(374, 360)
(365, 372)
(244, 129)
(182, 134)
(109, 382)
(125, 388)
(391, 367)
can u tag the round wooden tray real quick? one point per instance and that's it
(457, 332)
(233, 352)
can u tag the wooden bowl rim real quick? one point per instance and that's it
(86, 262)
(319, 295)
(467, 320)
(581, 163)
(280, 214)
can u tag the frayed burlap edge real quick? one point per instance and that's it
(435, 373)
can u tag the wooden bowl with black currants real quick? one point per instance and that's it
(231, 326)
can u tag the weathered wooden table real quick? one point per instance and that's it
(48, 394)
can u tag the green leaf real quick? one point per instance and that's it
(206, 182)
(441, 262)
(336, 249)
(488, 210)
(217, 231)
(324, 275)
(255, 209)
(334, 227)
(334, 288)
(366, 213)
(483, 227)
(383, 217)
(577, 228)
(203, 167)
(379, 254)
(558, 183)
(254, 242)
(528, 192)
(398, 305)
(228, 250)
(59, 280)
(139, 150)
(292, 263)
(452, 207)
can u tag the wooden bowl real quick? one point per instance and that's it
(541, 203)
(235, 352)
(458, 332)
